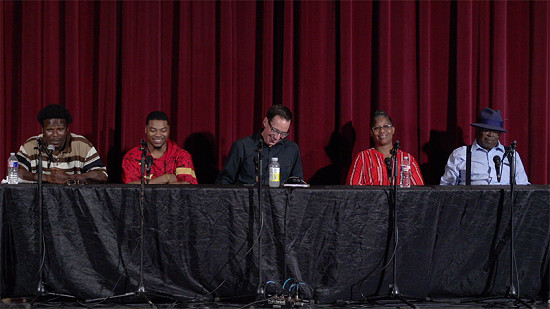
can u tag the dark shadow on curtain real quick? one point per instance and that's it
(438, 149)
(441, 144)
(115, 153)
(259, 65)
(114, 159)
(339, 150)
(201, 147)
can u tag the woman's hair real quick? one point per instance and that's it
(377, 114)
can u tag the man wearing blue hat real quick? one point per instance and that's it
(486, 161)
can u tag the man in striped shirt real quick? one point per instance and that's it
(369, 167)
(66, 157)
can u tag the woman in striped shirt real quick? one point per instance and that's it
(369, 167)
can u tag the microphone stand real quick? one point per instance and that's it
(141, 288)
(140, 291)
(260, 290)
(394, 289)
(512, 292)
(41, 289)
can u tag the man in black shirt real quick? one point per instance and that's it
(240, 166)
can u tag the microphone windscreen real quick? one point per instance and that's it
(51, 147)
(496, 159)
(387, 161)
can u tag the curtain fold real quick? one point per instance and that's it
(215, 67)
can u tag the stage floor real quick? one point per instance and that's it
(440, 304)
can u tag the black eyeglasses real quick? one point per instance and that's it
(277, 132)
(385, 128)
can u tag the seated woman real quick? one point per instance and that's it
(369, 167)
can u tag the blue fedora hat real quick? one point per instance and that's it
(490, 119)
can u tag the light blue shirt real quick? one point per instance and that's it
(483, 167)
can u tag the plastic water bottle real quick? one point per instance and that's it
(405, 172)
(274, 173)
(13, 166)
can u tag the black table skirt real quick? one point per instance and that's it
(452, 241)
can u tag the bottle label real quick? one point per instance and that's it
(13, 164)
(274, 174)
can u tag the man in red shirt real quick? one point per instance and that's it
(170, 164)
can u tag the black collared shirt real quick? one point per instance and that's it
(240, 167)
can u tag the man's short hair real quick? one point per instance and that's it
(377, 114)
(279, 110)
(157, 115)
(54, 111)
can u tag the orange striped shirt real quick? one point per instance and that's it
(369, 169)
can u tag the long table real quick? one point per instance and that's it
(202, 241)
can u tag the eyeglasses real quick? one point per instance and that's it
(385, 128)
(277, 132)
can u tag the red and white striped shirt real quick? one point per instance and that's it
(369, 169)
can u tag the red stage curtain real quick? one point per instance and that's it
(216, 66)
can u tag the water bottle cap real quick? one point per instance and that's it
(12, 153)
(274, 159)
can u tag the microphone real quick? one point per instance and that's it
(395, 148)
(40, 143)
(388, 166)
(510, 151)
(49, 153)
(144, 150)
(260, 144)
(498, 162)
(258, 161)
(146, 156)
(259, 150)
(49, 150)
(146, 161)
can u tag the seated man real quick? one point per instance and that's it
(482, 155)
(73, 159)
(170, 164)
(240, 166)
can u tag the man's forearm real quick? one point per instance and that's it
(26, 175)
(92, 176)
